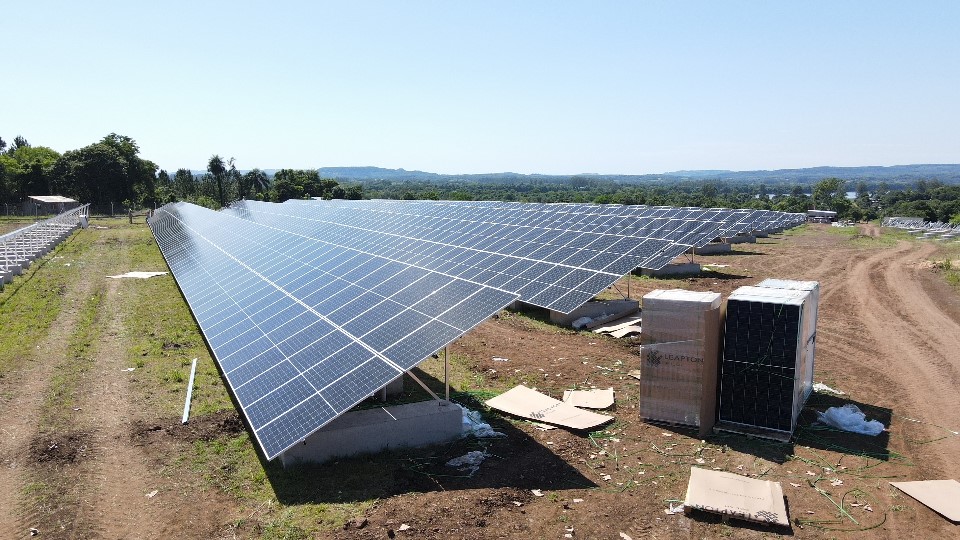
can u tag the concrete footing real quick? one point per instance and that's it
(375, 430)
(599, 310)
(681, 269)
(742, 239)
(711, 249)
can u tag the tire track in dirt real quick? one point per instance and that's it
(118, 477)
(918, 344)
(20, 414)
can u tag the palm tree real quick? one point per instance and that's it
(216, 167)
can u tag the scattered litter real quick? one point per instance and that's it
(581, 322)
(625, 536)
(620, 327)
(152, 494)
(700, 460)
(500, 359)
(589, 399)
(66, 264)
(635, 373)
(736, 496)
(674, 509)
(517, 503)
(836, 482)
(850, 418)
(473, 424)
(941, 496)
(578, 500)
(76, 408)
(128, 369)
(530, 404)
(34, 532)
(794, 485)
(403, 527)
(536, 492)
(822, 388)
(867, 508)
(469, 462)
(138, 275)
(606, 477)
(811, 473)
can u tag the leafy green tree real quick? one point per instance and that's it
(96, 173)
(255, 182)
(184, 185)
(217, 168)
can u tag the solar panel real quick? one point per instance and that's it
(531, 250)
(304, 328)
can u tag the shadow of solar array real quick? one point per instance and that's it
(303, 328)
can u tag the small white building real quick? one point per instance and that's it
(821, 216)
(38, 205)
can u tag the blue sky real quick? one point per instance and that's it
(468, 87)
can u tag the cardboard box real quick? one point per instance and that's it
(679, 355)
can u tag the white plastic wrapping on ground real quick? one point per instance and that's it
(473, 424)
(851, 418)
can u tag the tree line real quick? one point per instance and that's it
(112, 171)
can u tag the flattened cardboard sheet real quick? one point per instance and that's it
(589, 399)
(528, 403)
(736, 496)
(941, 496)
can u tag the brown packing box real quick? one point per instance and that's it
(679, 353)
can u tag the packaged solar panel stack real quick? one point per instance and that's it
(766, 371)
(679, 352)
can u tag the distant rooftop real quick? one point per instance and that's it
(51, 199)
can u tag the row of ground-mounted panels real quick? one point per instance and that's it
(557, 256)
(304, 328)
(308, 307)
(543, 264)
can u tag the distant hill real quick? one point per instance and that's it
(946, 173)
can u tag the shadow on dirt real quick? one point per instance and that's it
(516, 461)
(813, 434)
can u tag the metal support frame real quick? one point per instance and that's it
(446, 374)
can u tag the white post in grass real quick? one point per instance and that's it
(186, 403)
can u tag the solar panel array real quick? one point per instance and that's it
(310, 306)
(554, 256)
(305, 328)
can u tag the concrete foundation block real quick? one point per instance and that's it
(711, 249)
(742, 239)
(375, 430)
(599, 311)
(682, 269)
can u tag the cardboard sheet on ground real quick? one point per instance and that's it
(623, 322)
(589, 399)
(528, 403)
(736, 496)
(941, 496)
(138, 275)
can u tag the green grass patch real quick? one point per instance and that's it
(30, 304)
(81, 345)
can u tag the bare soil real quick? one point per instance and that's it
(888, 336)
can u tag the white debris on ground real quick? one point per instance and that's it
(473, 424)
(138, 275)
(469, 462)
(822, 388)
(850, 418)
(581, 322)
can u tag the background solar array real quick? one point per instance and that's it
(554, 256)
(304, 328)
